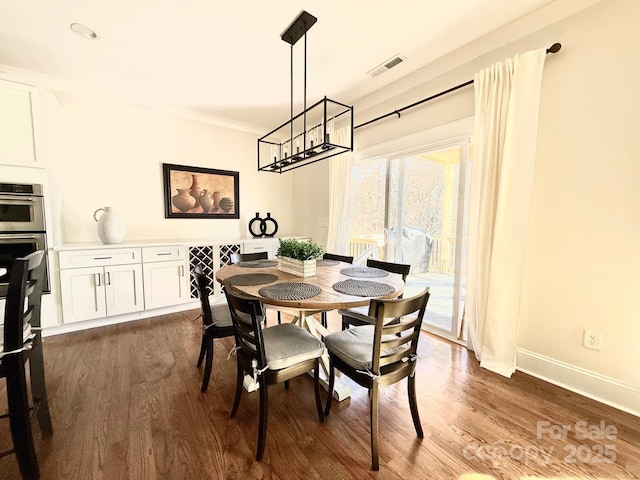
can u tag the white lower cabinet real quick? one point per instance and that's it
(114, 280)
(97, 292)
(98, 283)
(165, 276)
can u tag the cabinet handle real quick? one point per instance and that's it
(97, 279)
(182, 270)
(107, 278)
(165, 253)
(102, 258)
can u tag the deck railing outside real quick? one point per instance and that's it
(373, 245)
(367, 246)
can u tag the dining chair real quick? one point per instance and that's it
(216, 323)
(248, 257)
(359, 315)
(339, 258)
(21, 341)
(381, 354)
(271, 355)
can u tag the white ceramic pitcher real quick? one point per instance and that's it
(111, 228)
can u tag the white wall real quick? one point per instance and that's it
(111, 154)
(582, 268)
(311, 205)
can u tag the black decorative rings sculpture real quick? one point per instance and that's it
(262, 225)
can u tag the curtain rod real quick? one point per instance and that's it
(555, 48)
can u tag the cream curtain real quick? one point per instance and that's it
(339, 192)
(507, 99)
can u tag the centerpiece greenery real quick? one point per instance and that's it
(298, 257)
(299, 249)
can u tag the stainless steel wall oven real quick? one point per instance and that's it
(22, 226)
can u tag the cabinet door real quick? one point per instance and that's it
(165, 284)
(123, 289)
(18, 126)
(82, 294)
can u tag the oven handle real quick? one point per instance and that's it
(18, 236)
(9, 199)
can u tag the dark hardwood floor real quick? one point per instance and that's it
(126, 404)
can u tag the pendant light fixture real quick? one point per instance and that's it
(323, 130)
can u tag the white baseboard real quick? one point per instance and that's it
(590, 384)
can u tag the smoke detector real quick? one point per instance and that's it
(386, 65)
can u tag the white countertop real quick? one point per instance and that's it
(160, 242)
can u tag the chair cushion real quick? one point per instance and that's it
(288, 344)
(221, 315)
(354, 346)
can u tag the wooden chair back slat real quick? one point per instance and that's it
(383, 310)
(400, 268)
(248, 326)
(340, 258)
(23, 298)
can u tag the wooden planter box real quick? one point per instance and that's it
(301, 268)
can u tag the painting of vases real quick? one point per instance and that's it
(193, 192)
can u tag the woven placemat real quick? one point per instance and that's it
(325, 262)
(248, 279)
(258, 263)
(290, 291)
(363, 288)
(364, 272)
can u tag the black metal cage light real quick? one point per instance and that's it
(323, 130)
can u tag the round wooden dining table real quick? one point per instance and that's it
(330, 285)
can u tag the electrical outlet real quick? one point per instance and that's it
(592, 339)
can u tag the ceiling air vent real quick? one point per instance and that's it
(386, 65)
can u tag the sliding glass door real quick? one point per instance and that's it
(411, 208)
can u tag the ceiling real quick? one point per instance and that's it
(226, 58)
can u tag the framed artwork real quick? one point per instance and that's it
(193, 192)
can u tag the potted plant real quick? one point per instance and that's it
(298, 257)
